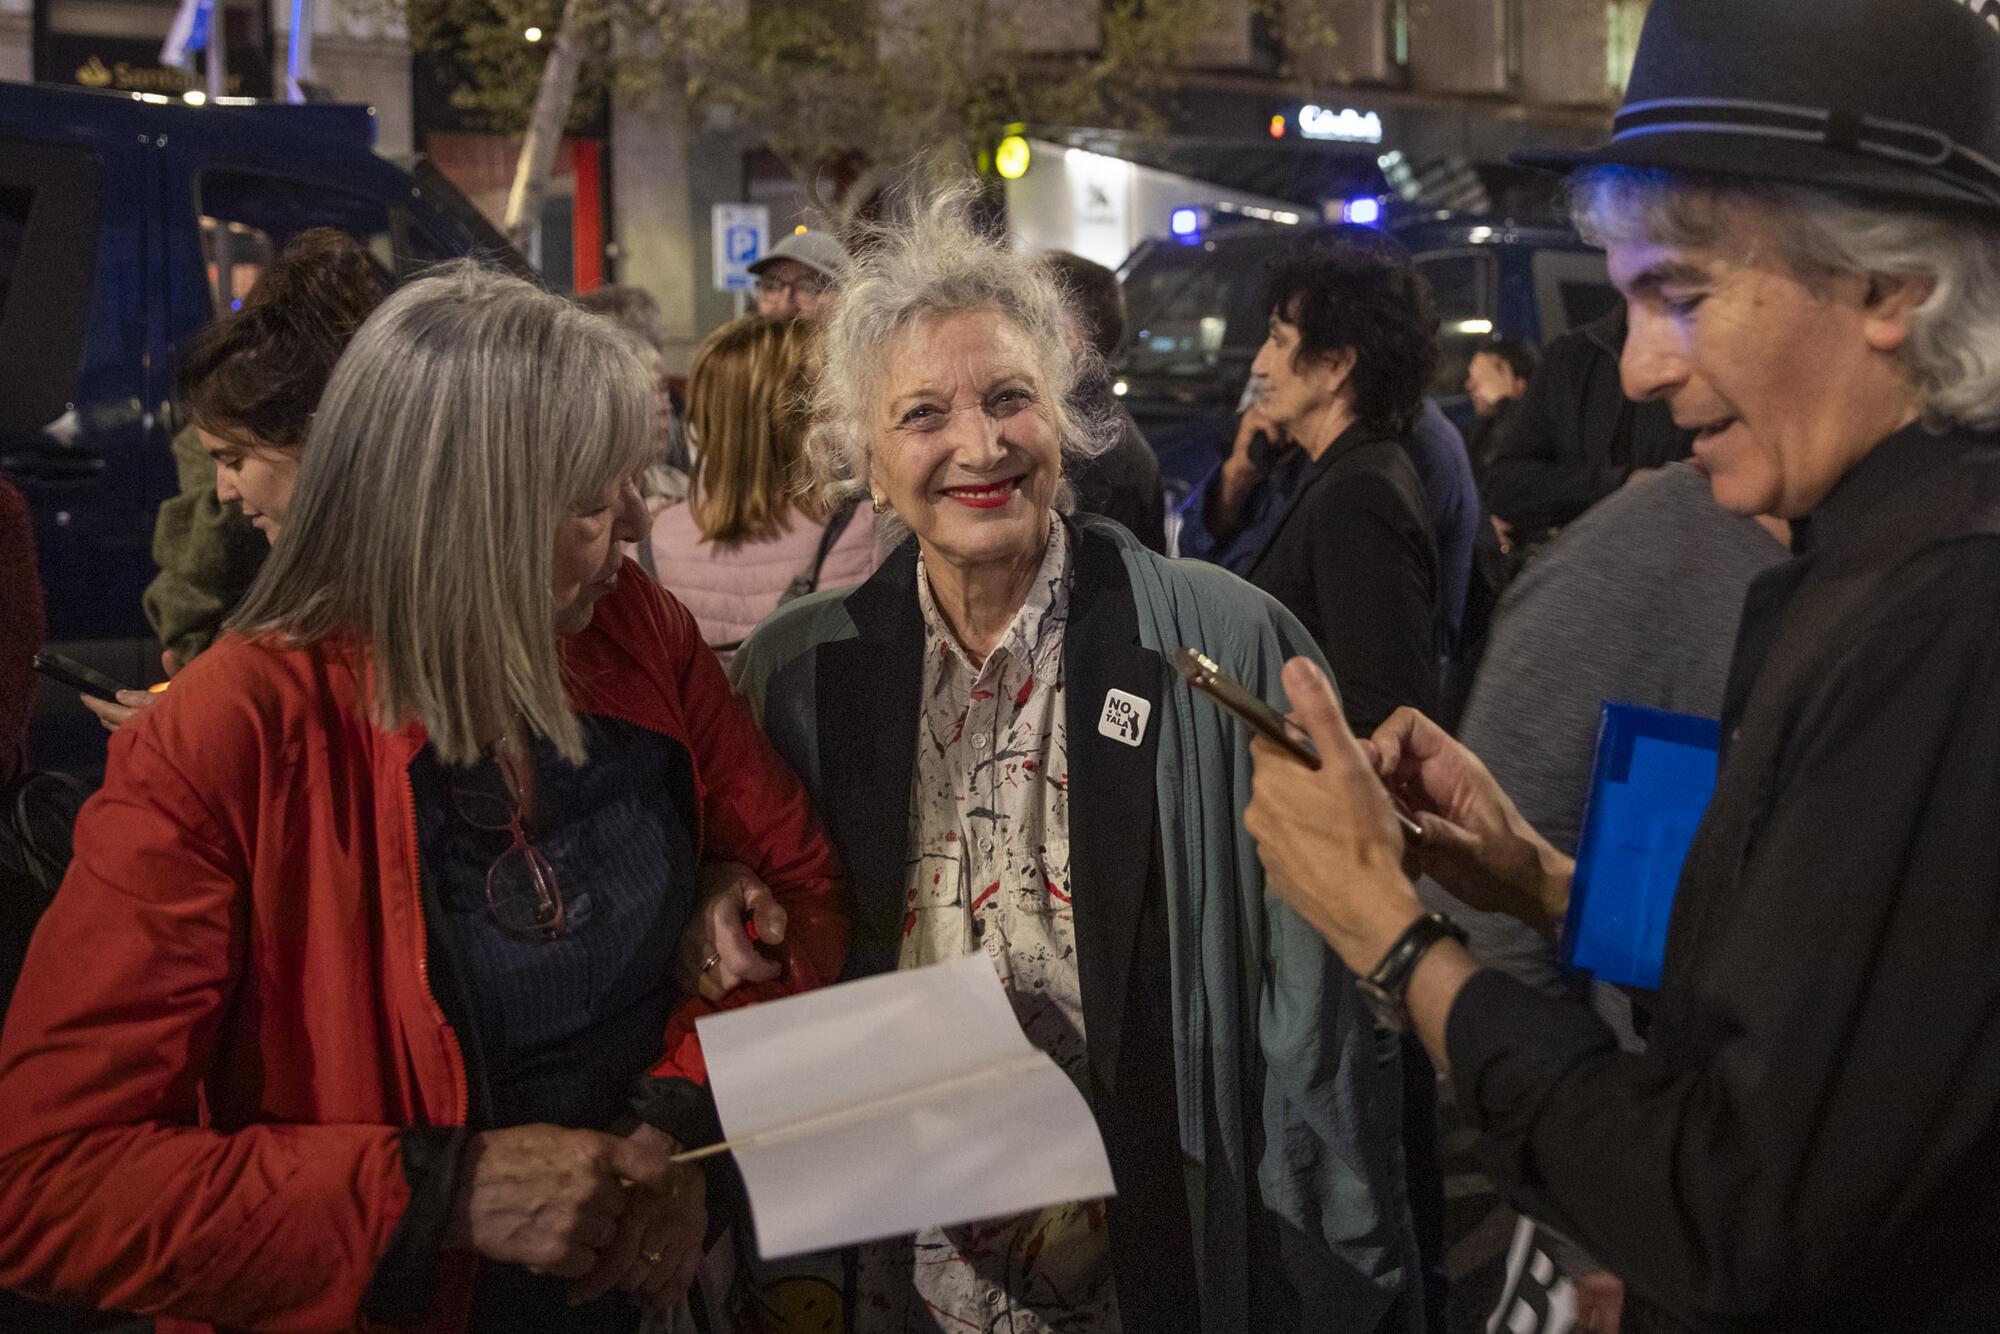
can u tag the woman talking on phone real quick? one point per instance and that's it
(357, 1007)
(1008, 763)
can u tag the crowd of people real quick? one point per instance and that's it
(525, 708)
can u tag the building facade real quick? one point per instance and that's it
(1322, 103)
(1280, 107)
(359, 54)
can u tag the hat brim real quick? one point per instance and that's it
(769, 260)
(781, 259)
(1779, 161)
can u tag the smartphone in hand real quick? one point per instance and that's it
(77, 676)
(1203, 673)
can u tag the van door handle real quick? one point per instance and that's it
(52, 465)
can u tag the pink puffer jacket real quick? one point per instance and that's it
(730, 589)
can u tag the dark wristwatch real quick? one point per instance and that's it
(1386, 988)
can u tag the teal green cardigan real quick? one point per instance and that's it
(1289, 1099)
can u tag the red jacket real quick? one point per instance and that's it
(225, 1017)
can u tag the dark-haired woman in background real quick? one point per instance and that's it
(1352, 343)
(250, 386)
(1341, 377)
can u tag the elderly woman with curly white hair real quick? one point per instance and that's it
(1008, 764)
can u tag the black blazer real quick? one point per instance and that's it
(1575, 438)
(1354, 558)
(866, 714)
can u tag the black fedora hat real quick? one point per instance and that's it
(1892, 99)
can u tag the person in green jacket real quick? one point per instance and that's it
(249, 387)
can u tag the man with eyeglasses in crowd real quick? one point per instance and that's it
(796, 280)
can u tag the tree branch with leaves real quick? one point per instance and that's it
(873, 82)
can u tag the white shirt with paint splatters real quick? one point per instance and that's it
(989, 871)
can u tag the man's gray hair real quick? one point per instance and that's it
(472, 414)
(1952, 355)
(933, 262)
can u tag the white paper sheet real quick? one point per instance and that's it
(898, 1102)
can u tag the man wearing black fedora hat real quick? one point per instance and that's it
(1801, 204)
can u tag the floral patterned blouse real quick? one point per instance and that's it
(989, 871)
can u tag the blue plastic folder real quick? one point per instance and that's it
(1654, 774)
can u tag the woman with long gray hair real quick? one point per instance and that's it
(357, 1006)
(1024, 775)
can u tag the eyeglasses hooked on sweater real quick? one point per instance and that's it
(522, 893)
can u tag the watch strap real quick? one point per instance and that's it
(1388, 983)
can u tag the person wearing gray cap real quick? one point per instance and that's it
(1801, 206)
(797, 278)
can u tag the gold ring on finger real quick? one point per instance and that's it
(714, 958)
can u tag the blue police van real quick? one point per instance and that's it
(127, 222)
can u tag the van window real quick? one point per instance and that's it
(1465, 286)
(417, 248)
(1189, 308)
(1572, 288)
(15, 202)
(246, 219)
(48, 270)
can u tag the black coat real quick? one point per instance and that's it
(1353, 557)
(867, 745)
(1812, 1141)
(1484, 436)
(1576, 437)
(1123, 484)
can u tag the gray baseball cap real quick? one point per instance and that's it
(818, 251)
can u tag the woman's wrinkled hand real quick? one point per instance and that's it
(1252, 424)
(716, 953)
(658, 1248)
(545, 1197)
(1476, 843)
(131, 703)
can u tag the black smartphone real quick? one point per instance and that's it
(77, 676)
(1206, 676)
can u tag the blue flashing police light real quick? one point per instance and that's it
(1185, 224)
(1362, 211)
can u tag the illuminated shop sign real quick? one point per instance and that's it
(1346, 125)
(132, 65)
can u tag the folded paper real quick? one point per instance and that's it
(899, 1102)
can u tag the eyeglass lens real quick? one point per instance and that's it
(812, 286)
(521, 889)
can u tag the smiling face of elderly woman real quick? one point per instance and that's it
(965, 446)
